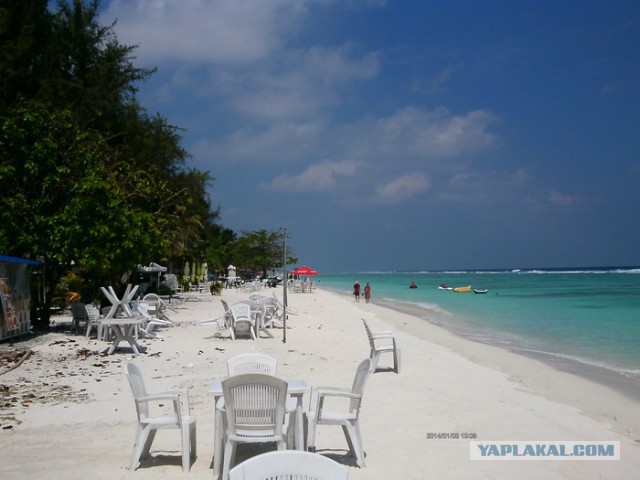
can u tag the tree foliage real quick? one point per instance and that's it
(88, 177)
(261, 251)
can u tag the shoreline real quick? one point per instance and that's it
(68, 411)
(577, 387)
(601, 375)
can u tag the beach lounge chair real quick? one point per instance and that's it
(382, 342)
(289, 464)
(348, 418)
(179, 418)
(254, 409)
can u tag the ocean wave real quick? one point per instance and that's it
(601, 271)
(546, 271)
(506, 271)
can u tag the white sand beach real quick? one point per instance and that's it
(67, 411)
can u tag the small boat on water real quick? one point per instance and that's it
(462, 289)
(442, 286)
(413, 285)
(478, 291)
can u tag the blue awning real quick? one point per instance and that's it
(7, 259)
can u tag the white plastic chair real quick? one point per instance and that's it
(142, 308)
(347, 418)
(382, 342)
(224, 323)
(78, 314)
(289, 464)
(254, 407)
(180, 418)
(264, 364)
(154, 300)
(93, 320)
(252, 363)
(243, 320)
(274, 311)
(272, 316)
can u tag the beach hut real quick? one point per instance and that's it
(154, 280)
(15, 296)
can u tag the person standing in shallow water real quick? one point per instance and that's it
(356, 291)
(367, 292)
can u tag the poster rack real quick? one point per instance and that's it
(15, 296)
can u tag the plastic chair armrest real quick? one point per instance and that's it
(318, 392)
(158, 396)
(383, 334)
(345, 394)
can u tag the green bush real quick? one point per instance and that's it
(216, 288)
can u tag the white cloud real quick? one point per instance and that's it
(437, 132)
(297, 84)
(414, 134)
(485, 188)
(279, 142)
(318, 177)
(403, 187)
(241, 52)
(225, 31)
(562, 199)
(438, 82)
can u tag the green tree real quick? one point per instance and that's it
(25, 29)
(88, 177)
(63, 203)
(261, 251)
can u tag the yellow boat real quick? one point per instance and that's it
(462, 289)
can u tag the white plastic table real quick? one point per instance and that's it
(123, 329)
(116, 302)
(296, 388)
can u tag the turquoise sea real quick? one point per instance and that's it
(583, 320)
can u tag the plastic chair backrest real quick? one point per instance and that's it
(134, 375)
(241, 310)
(369, 334)
(254, 405)
(252, 363)
(359, 382)
(92, 312)
(78, 311)
(289, 464)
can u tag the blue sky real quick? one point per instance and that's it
(407, 135)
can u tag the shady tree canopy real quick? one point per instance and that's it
(88, 176)
(261, 251)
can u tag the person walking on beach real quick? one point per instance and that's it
(367, 292)
(356, 291)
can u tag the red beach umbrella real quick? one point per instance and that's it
(304, 271)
